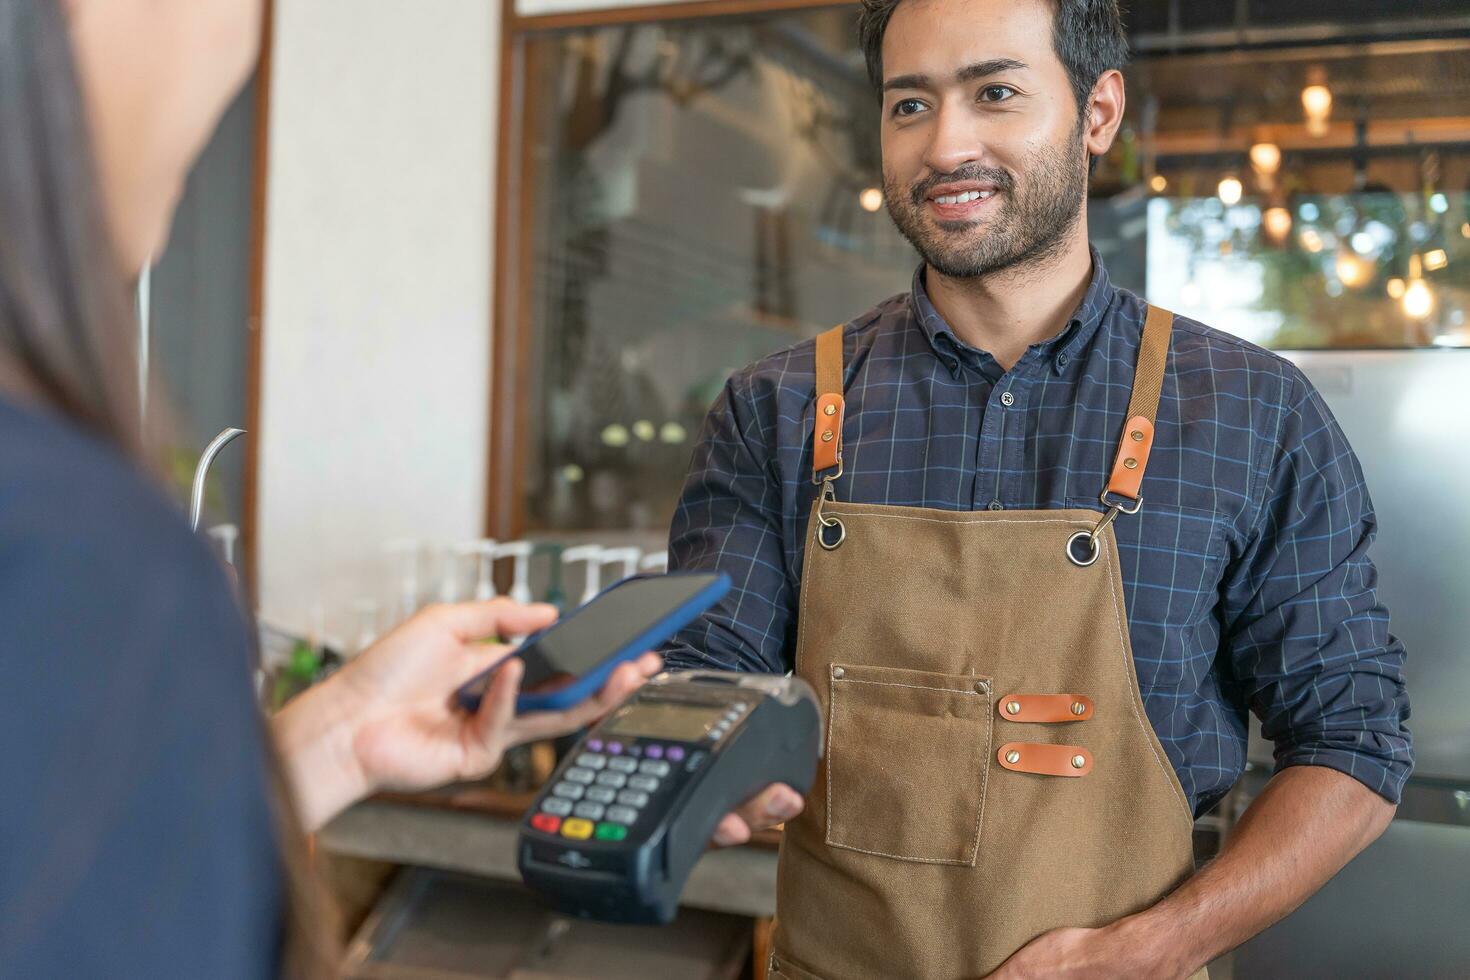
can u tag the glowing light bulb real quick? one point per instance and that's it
(1352, 269)
(1317, 104)
(1396, 288)
(1277, 221)
(1159, 185)
(1230, 190)
(1266, 158)
(1418, 300)
(1436, 260)
(1312, 240)
(871, 199)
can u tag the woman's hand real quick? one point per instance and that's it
(387, 720)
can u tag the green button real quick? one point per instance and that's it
(611, 831)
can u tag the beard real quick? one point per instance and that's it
(1026, 228)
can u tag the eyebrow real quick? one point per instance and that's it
(969, 73)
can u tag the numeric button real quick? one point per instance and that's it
(556, 806)
(616, 780)
(579, 775)
(589, 811)
(631, 797)
(622, 764)
(601, 794)
(653, 768)
(645, 783)
(591, 760)
(570, 791)
(622, 814)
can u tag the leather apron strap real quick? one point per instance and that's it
(1143, 407)
(827, 451)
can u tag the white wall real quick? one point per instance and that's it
(376, 338)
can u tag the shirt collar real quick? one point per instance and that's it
(1061, 348)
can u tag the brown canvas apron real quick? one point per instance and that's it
(989, 773)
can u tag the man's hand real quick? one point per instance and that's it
(1083, 954)
(775, 804)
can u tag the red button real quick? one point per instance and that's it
(546, 822)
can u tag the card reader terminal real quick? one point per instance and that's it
(622, 822)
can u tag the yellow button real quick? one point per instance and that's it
(577, 829)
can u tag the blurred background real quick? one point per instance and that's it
(472, 274)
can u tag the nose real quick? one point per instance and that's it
(954, 139)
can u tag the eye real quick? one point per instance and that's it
(996, 93)
(907, 107)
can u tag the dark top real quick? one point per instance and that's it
(1247, 578)
(135, 835)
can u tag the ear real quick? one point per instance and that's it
(1104, 113)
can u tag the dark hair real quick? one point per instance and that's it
(1087, 36)
(64, 308)
(67, 329)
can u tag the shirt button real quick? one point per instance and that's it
(1007, 399)
(997, 505)
(1062, 360)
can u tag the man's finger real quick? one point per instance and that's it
(731, 830)
(470, 621)
(775, 804)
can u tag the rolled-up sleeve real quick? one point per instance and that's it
(729, 519)
(1307, 637)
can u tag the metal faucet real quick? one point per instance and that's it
(201, 472)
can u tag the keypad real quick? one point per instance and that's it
(556, 806)
(623, 764)
(616, 780)
(589, 810)
(633, 798)
(591, 760)
(579, 775)
(646, 783)
(653, 768)
(572, 791)
(601, 794)
(622, 814)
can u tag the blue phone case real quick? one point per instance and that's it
(591, 682)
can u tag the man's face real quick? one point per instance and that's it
(984, 166)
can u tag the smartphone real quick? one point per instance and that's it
(571, 660)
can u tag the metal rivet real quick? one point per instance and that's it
(1078, 761)
(982, 687)
(1013, 757)
(827, 436)
(1078, 708)
(1137, 435)
(1131, 463)
(832, 410)
(838, 672)
(1014, 707)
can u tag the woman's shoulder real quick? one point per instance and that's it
(62, 488)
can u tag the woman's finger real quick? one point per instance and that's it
(625, 679)
(470, 621)
(498, 710)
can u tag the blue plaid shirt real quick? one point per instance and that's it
(1247, 574)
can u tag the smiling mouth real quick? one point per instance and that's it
(964, 197)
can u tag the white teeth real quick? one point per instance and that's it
(964, 198)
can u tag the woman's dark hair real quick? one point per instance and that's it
(1087, 35)
(65, 316)
(67, 329)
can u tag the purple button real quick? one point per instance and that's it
(615, 748)
(655, 752)
(675, 754)
(595, 744)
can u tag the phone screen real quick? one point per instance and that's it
(602, 628)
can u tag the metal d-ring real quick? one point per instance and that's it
(1095, 535)
(829, 494)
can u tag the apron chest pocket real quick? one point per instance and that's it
(908, 754)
